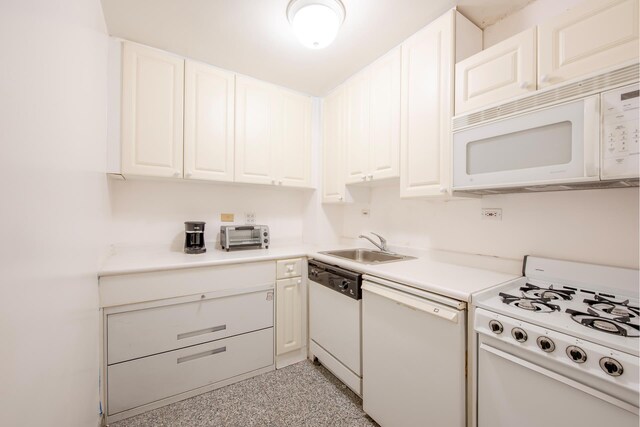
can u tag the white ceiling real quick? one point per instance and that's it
(253, 37)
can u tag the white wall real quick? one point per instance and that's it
(148, 212)
(53, 211)
(599, 226)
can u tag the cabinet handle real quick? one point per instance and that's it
(201, 332)
(364, 177)
(279, 182)
(340, 198)
(443, 190)
(273, 181)
(524, 85)
(176, 174)
(201, 355)
(544, 78)
(370, 177)
(188, 174)
(299, 281)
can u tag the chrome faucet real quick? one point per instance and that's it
(383, 242)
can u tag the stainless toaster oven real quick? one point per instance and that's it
(244, 237)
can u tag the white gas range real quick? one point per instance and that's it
(564, 338)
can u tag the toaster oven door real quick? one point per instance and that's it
(248, 236)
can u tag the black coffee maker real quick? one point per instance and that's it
(194, 237)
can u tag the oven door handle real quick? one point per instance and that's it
(557, 377)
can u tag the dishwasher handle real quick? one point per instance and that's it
(413, 302)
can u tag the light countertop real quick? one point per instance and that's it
(455, 275)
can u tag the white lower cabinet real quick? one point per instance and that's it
(142, 381)
(158, 350)
(289, 315)
(291, 312)
(140, 333)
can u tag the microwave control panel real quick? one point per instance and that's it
(620, 148)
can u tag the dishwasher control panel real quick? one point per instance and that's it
(347, 282)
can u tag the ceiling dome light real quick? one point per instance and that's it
(315, 22)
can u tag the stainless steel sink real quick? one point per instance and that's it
(367, 256)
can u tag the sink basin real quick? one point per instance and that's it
(367, 256)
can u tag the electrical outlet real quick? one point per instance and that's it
(250, 218)
(492, 214)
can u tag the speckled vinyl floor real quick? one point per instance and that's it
(299, 395)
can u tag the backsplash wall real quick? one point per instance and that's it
(152, 212)
(599, 226)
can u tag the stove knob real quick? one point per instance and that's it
(519, 334)
(611, 366)
(344, 284)
(546, 344)
(576, 354)
(496, 327)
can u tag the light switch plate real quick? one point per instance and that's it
(250, 218)
(226, 217)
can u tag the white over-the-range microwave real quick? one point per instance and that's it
(570, 142)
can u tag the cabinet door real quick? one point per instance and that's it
(592, 36)
(427, 66)
(152, 107)
(500, 72)
(208, 123)
(257, 115)
(294, 153)
(357, 143)
(333, 190)
(288, 315)
(384, 149)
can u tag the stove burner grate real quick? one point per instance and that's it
(533, 291)
(538, 305)
(616, 326)
(607, 306)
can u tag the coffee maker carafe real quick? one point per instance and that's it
(194, 237)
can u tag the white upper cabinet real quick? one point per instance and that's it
(257, 130)
(384, 114)
(427, 103)
(152, 112)
(333, 188)
(373, 121)
(273, 135)
(592, 36)
(357, 134)
(500, 72)
(208, 123)
(294, 153)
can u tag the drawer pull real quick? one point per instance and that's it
(201, 332)
(201, 355)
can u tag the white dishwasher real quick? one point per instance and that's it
(413, 356)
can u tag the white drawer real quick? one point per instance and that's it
(150, 331)
(289, 268)
(155, 285)
(142, 381)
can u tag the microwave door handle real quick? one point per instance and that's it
(592, 136)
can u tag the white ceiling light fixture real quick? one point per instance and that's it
(315, 22)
